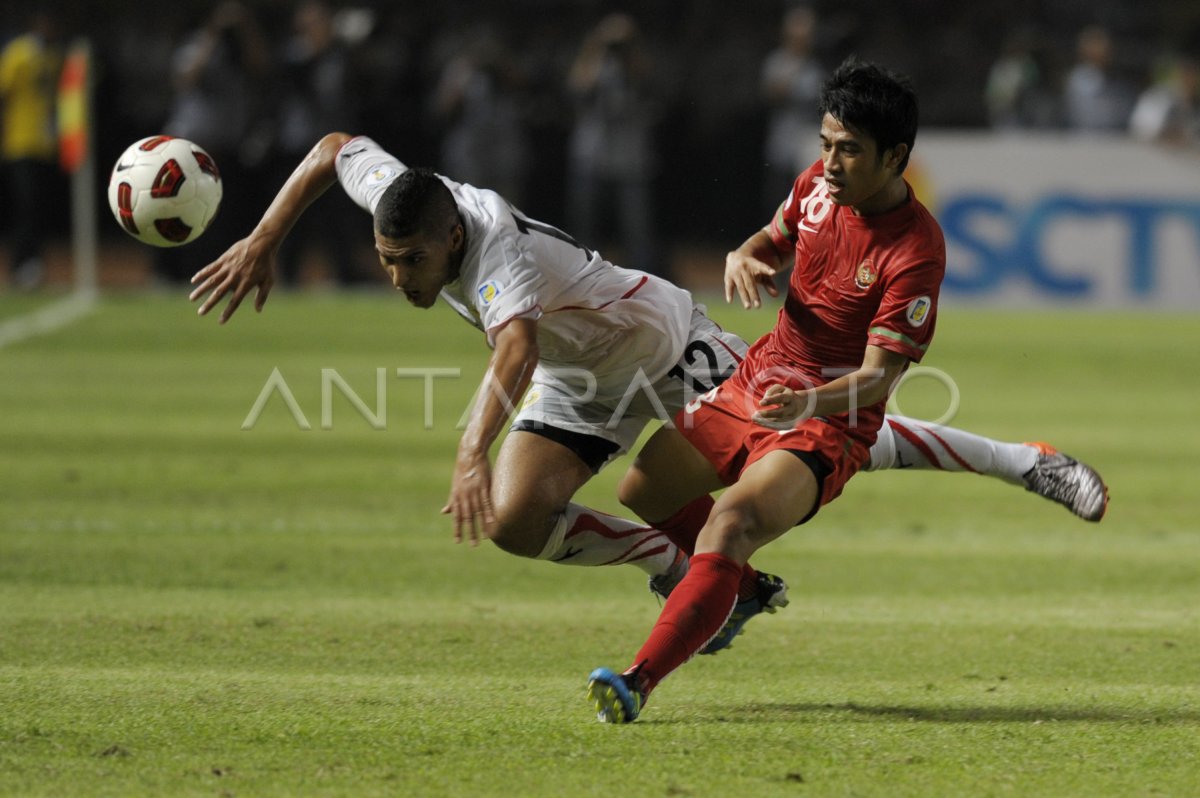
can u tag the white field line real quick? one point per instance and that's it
(47, 319)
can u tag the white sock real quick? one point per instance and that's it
(908, 443)
(586, 537)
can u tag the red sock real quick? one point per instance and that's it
(748, 587)
(684, 527)
(696, 610)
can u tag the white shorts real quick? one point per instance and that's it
(709, 357)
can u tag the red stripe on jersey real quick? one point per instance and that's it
(636, 288)
(626, 295)
(725, 346)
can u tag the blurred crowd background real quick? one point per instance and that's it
(649, 130)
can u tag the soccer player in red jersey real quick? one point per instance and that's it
(797, 418)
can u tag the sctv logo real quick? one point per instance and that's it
(1063, 244)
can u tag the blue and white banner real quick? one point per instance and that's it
(1063, 219)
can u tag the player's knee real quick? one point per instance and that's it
(518, 532)
(633, 493)
(733, 530)
(648, 498)
(515, 538)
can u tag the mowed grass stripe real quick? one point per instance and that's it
(187, 608)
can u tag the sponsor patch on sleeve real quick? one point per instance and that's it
(918, 311)
(383, 174)
(489, 291)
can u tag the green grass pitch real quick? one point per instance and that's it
(190, 608)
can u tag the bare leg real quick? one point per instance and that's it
(666, 475)
(771, 496)
(534, 481)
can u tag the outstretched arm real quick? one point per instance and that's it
(250, 263)
(508, 376)
(754, 263)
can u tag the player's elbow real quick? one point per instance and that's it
(873, 389)
(327, 148)
(878, 377)
(335, 139)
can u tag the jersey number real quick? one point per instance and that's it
(714, 365)
(528, 226)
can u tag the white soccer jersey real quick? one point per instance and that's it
(592, 316)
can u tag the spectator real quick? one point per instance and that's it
(612, 159)
(478, 102)
(1169, 111)
(1016, 94)
(1096, 98)
(29, 70)
(220, 76)
(790, 86)
(315, 98)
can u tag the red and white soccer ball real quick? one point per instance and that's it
(164, 191)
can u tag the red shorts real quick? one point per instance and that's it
(720, 427)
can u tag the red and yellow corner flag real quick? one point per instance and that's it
(73, 118)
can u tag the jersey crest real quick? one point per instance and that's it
(866, 274)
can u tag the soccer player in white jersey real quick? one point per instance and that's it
(596, 350)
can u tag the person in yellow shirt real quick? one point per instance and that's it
(29, 70)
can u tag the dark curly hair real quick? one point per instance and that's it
(416, 201)
(873, 101)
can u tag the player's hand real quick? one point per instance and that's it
(470, 499)
(744, 274)
(781, 407)
(247, 264)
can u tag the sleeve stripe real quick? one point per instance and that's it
(781, 226)
(898, 337)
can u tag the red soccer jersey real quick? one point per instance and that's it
(857, 280)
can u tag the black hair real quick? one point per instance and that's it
(873, 101)
(416, 201)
